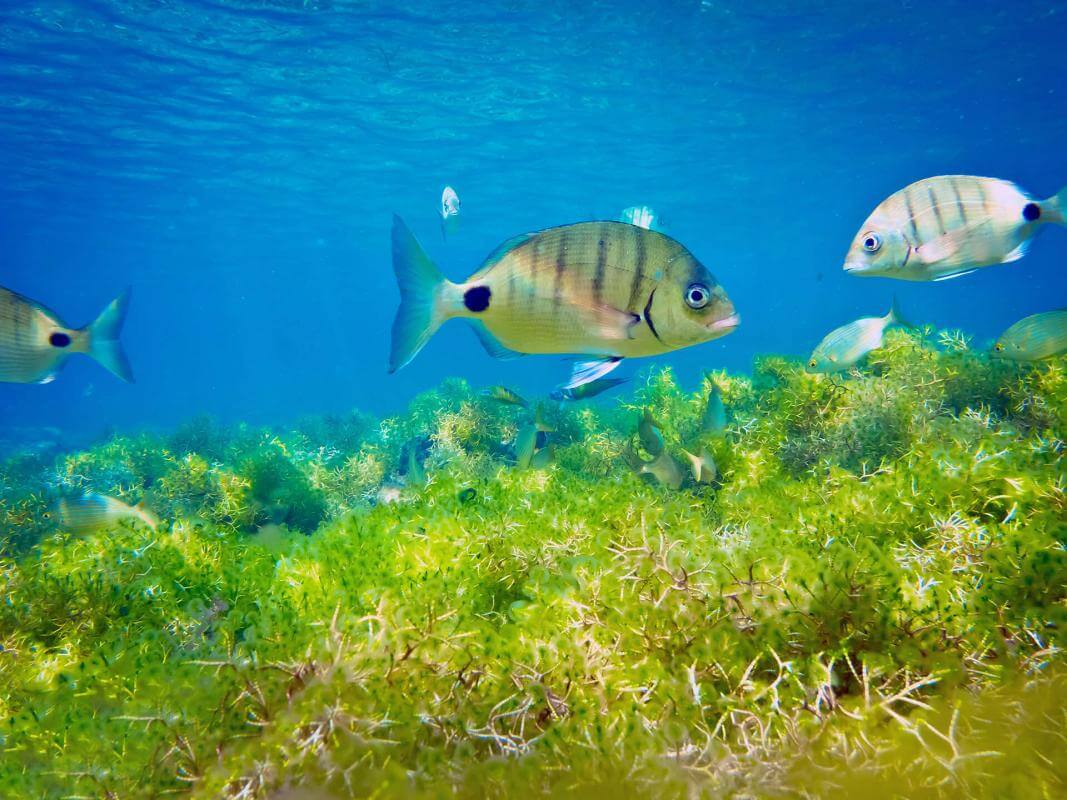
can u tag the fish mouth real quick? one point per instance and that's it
(726, 324)
(857, 267)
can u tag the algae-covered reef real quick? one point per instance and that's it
(869, 598)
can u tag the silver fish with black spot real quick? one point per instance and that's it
(35, 343)
(948, 226)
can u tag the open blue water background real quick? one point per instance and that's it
(237, 163)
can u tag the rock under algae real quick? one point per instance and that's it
(869, 599)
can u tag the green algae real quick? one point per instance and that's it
(870, 598)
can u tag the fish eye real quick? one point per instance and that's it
(812, 363)
(697, 295)
(998, 347)
(872, 242)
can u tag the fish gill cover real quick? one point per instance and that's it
(269, 571)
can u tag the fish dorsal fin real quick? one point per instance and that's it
(491, 344)
(503, 249)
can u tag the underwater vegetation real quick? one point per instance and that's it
(868, 596)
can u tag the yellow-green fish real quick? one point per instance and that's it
(843, 347)
(714, 419)
(942, 227)
(702, 467)
(664, 469)
(648, 433)
(35, 343)
(543, 457)
(526, 441)
(98, 512)
(602, 290)
(1035, 337)
(586, 390)
(503, 394)
(416, 474)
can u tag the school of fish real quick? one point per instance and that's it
(604, 292)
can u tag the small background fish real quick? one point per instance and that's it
(844, 347)
(1036, 337)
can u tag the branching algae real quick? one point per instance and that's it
(870, 598)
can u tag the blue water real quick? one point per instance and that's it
(237, 165)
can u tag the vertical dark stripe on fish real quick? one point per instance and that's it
(937, 211)
(601, 266)
(981, 191)
(911, 216)
(561, 265)
(641, 246)
(959, 202)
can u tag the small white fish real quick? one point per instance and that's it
(1034, 338)
(641, 216)
(843, 347)
(449, 211)
(98, 512)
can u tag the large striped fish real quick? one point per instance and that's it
(942, 227)
(35, 343)
(98, 512)
(603, 290)
(1036, 337)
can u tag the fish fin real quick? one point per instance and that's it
(612, 323)
(424, 300)
(491, 344)
(502, 250)
(958, 274)
(694, 464)
(942, 247)
(1018, 252)
(1055, 208)
(895, 317)
(51, 376)
(103, 336)
(591, 369)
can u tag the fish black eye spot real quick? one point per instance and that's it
(59, 339)
(1031, 212)
(476, 298)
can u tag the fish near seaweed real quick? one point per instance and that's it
(1034, 338)
(602, 290)
(502, 394)
(842, 348)
(714, 419)
(664, 469)
(948, 226)
(91, 513)
(526, 441)
(35, 343)
(702, 467)
(585, 390)
(649, 434)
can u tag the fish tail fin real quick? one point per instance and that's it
(424, 297)
(103, 338)
(1055, 208)
(895, 317)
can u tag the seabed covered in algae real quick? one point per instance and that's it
(868, 600)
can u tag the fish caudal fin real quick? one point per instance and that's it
(103, 336)
(1055, 208)
(423, 297)
(895, 317)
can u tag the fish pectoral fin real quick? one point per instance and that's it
(609, 322)
(589, 370)
(951, 242)
(491, 344)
